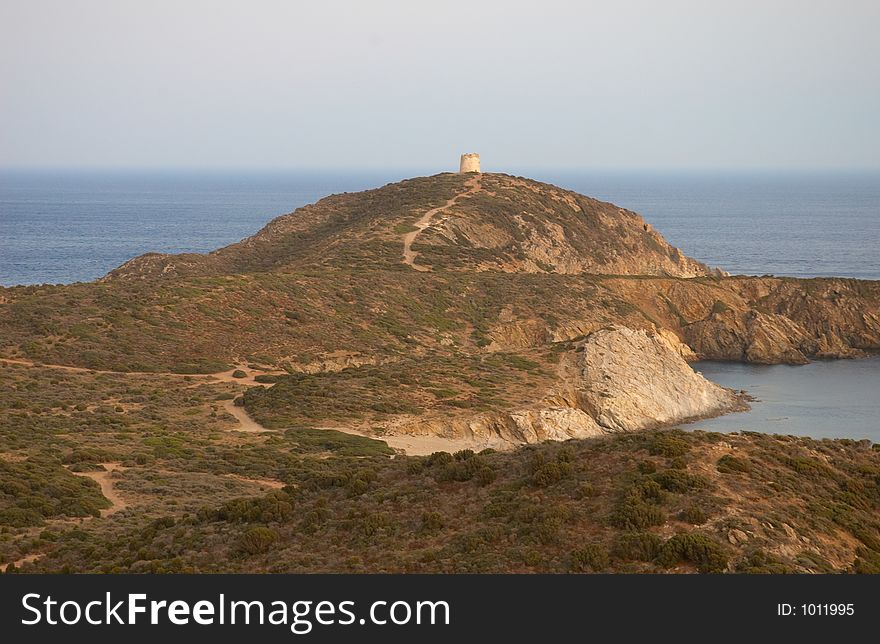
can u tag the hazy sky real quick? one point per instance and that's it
(541, 84)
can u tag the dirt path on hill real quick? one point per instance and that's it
(18, 562)
(223, 376)
(409, 255)
(411, 445)
(245, 422)
(105, 480)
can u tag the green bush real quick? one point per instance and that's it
(238, 373)
(257, 540)
(550, 473)
(486, 475)
(432, 521)
(636, 546)
(695, 548)
(669, 446)
(693, 515)
(647, 467)
(593, 557)
(273, 507)
(633, 513)
(678, 481)
(728, 464)
(438, 458)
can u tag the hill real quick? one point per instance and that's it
(452, 305)
(480, 222)
(225, 411)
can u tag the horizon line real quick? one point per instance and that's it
(430, 170)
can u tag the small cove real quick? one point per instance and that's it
(823, 399)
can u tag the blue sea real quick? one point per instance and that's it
(61, 227)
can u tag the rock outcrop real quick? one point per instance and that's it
(750, 336)
(617, 379)
(635, 380)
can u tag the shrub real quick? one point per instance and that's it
(867, 562)
(593, 557)
(758, 562)
(693, 515)
(432, 521)
(648, 490)
(551, 473)
(647, 467)
(636, 546)
(438, 458)
(634, 513)
(273, 507)
(695, 548)
(486, 475)
(669, 446)
(678, 481)
(257, 540)
(728, 464)
(238, 373)
(474, 467)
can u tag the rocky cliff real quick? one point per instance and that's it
(616, 379)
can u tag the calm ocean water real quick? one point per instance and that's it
(66, 227)
(824, 399)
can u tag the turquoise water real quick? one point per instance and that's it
(824, 399)
(61, 227)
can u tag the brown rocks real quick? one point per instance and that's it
(750, 336)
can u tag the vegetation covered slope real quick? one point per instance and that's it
(518, 264)
(665, 501)
(506, 223)
(512, 281)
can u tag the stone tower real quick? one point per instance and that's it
(470, 162)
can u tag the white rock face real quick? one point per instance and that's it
(634, 380)
(619, 380)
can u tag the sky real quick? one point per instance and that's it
(265, 84)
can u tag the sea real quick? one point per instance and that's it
(60, 227)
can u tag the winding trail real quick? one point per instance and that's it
(245, 422)
(409, 255)
(26, 559)
(406, 443)
(105, 480)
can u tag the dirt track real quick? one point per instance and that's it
(409, 255)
